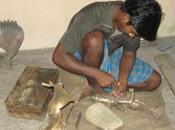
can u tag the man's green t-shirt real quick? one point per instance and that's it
(96, 16)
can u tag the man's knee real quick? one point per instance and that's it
(155, 80)
(92, 49)
(93, 40)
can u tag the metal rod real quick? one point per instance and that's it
(78, 121)
(69, 113)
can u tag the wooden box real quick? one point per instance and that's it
(29, 99)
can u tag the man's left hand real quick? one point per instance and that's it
(119, 89)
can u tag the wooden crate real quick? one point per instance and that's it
(29, 99)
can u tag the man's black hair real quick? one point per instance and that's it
(145, 16)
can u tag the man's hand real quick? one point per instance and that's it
(104, 79)
(119, 89)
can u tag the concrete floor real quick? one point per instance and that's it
(147, 52)
(42, 58)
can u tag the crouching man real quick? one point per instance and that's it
(101, 43)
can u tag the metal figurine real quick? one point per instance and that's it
(59, 100)
(56, 121)
(131, 103)
(11, 38)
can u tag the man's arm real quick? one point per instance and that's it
(126, 65)
(130, 47)
(68, 62)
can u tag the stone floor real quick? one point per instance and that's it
(132, 119)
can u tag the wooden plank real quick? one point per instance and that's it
(167, 65)
(29, 99)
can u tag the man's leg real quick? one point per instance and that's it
(91, 51)
(151, 83)
(92, 54)
(142, 77)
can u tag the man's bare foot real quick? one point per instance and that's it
(87, 90)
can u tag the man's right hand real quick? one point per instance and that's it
(69, 63)
(104, 79)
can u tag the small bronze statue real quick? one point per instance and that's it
(59, 100)
(11, 38)
(131, 103)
